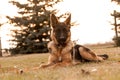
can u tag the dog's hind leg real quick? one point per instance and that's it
(87, 54)
(104, 56)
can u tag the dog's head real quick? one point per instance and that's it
(60, 30)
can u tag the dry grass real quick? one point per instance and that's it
(11, 67)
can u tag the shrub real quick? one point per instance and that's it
(117, 41)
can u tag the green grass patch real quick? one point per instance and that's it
(107, 70)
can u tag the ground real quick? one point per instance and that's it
(25, 67)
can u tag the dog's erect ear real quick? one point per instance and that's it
(68, 20)
(53, 20)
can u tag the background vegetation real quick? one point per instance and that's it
(116, 24)
(31, 31)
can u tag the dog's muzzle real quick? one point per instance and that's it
(62, 40)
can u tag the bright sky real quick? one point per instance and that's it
(92, 15)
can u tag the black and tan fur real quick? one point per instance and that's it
(62, 50)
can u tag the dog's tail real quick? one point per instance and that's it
(104, 56)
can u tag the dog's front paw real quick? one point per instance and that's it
(43, 66)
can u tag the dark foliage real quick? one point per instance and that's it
(118, 1)
(32, 26)
(117, 41)
(116, 28)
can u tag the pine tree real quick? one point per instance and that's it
(118, 1)
(116, 28)
(32, 31)
(116, 24)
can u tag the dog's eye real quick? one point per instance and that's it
(64, 29)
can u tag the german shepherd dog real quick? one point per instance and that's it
(62, 50)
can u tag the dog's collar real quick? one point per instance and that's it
(60, 45)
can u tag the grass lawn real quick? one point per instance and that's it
(24, 67)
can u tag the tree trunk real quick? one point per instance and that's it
(0, 48)
(116, 33)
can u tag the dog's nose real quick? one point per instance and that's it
(62, 38)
